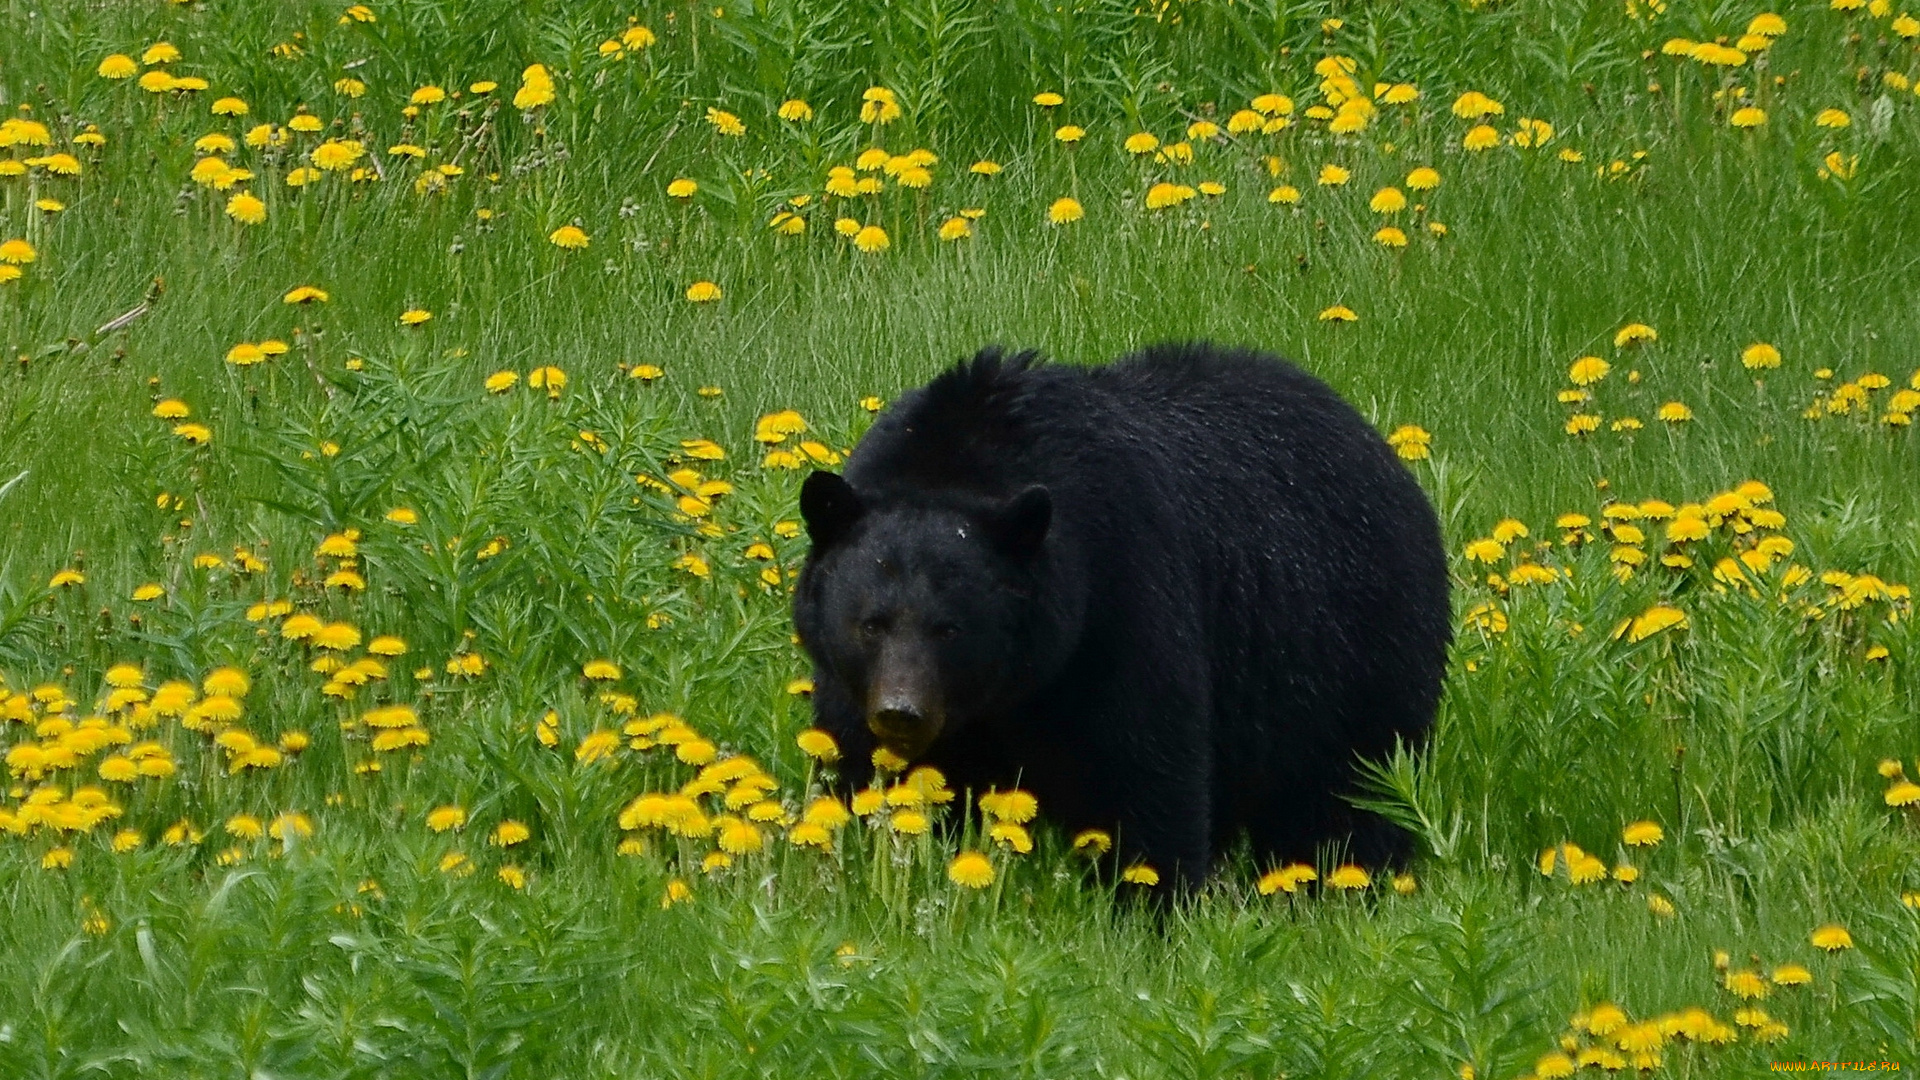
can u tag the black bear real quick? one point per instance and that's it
(1175, 597)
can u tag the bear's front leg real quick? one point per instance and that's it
(1147, 751)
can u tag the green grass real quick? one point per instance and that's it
(1751, 734)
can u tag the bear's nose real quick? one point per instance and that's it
(896, 721)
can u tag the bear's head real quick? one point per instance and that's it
(928, 612)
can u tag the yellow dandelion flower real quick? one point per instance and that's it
(910, 823)
(1011, 836)
(247, 209)
(337, 636)
(810, 834)
(1162, 195)
(1092, 842)
(1245, 122)
(1588, 370)
(1643, 834)
(335, 155)
(1655, 619)
(1474, 104)
(1485, 550)
(571, 237)
(245, 827)
(1746, 985)
(1349, 877)
(117, 66)
(1481, 137)
(1015, 805)
(1423, 179)
(1584, 869)
(1582, 423)
(442, 818)
(1510, 529)
(1287, 879)
(1791, 975)
(1635, 334)
(1065, 210)
(1832, 937)
(1388, 200)
(597, 745)
(739, 837)
(827, 812)
(971, 869)
(536, 88)
(226, 682)
(509, 833)
(548, 378)
(1411, 442)
(818, 745)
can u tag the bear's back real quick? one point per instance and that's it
(1197, 416)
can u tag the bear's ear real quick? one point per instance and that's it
(1019, 525)
(829, 505)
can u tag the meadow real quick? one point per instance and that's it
(403, 413)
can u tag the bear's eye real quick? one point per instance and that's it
(946, 631)
(872, 626)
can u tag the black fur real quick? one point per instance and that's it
(1176, 596)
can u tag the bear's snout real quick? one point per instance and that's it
(904, 727)
(903, 708)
